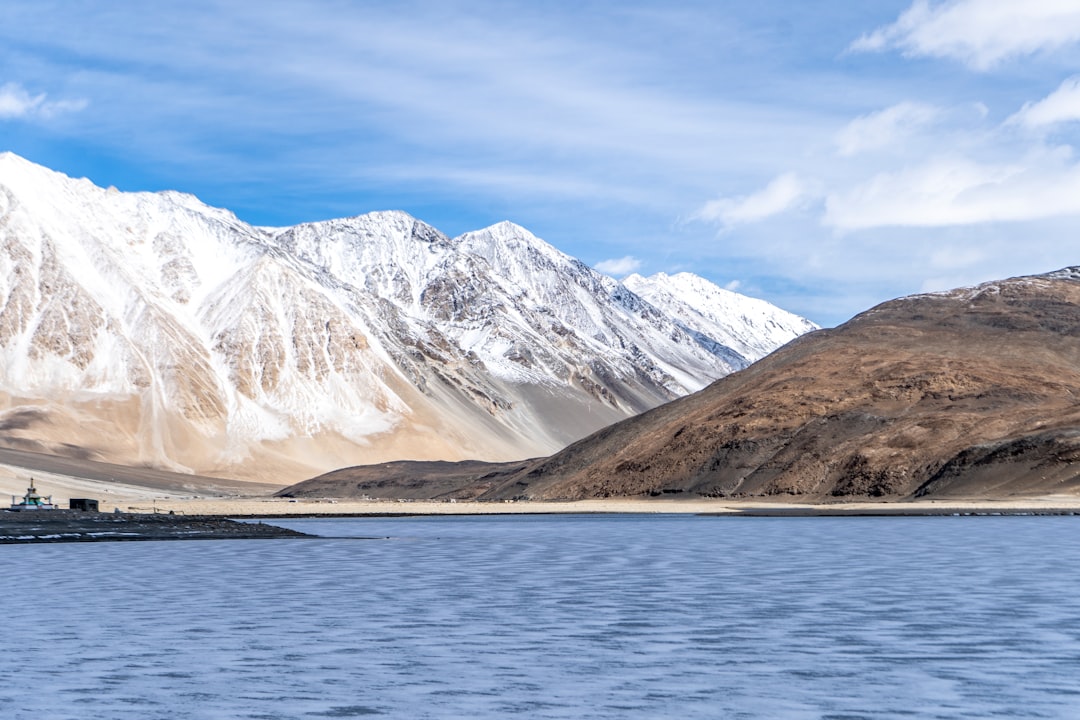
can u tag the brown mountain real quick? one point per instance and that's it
(974, 392)
(409, 479)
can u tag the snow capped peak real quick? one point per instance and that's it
(170, 332)
(504, 233)
(387, 216)
(19, 174)
(508, 228)
(9, 158)
(24, 178)
(510, 237)
(397, 218)
(513, 250)
(379, 223)
(750, 326)
(52, 193)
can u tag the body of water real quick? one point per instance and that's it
(554, 617)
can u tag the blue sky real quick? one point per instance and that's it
(825, 156)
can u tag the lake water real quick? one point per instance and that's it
(554, 617)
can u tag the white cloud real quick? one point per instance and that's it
(733, 286)
(1062, 105)
(60, 107)
(619, 266)
(958, 191)
(780, 195)
(17, 103)
(582, 120)
(884, 128)
(979, 33)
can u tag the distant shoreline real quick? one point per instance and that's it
(141, 491)
(282, 508)
(216, 519)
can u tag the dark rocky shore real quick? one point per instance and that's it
(74, 526)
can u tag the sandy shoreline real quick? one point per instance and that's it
(138, 492)
(270, 507)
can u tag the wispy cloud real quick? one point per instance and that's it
(561, 98)
(941, 192)
(17, 103)
(1063, 105)
(782, 194)
(958, 191)
(619, 266)
(978, 33)
(597, 125)
(884, 128)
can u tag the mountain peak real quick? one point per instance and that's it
(504, 232)
(15, 168)
(9, 157)
(389, 216)
(152, 328)
(509, 228)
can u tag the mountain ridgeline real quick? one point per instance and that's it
(151, 329)
(972, 393)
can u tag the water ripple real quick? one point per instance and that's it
(555, 617)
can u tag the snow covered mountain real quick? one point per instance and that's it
(753, 328)
(151, 328)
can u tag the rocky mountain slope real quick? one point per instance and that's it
(149, 328)
(753, 328)
(974, 392)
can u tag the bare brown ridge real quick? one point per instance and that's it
(969, 393)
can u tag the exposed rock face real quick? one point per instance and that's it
(149, 328)
(974, 392)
